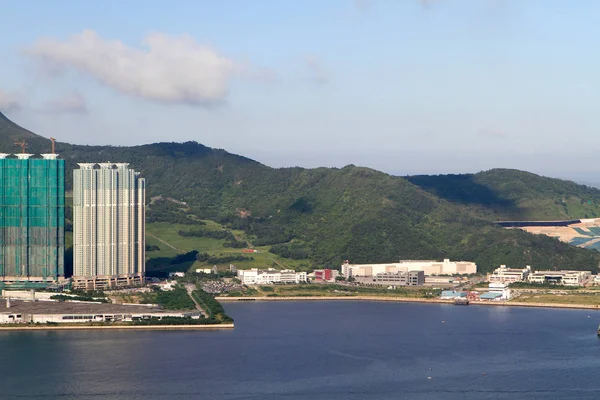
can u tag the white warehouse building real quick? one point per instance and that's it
(566, 278)
(504, 274)
(269, 276)
(429, 268)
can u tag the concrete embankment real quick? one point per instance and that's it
(412, 300)
(327, 298)
(17, 327)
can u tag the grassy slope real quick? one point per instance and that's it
(167, 233)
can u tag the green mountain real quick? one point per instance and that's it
(505, 194)
(327, 215)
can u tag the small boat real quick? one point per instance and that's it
(461, 301)
(598, 330)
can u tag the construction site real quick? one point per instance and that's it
(584, 233)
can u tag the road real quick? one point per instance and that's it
(162, 241)
(190, 288)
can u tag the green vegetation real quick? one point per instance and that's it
(292, 250)
(207, 233)
(177, 299)
(216, 313)
(205, 257)
(88, 293)
(575, 299)
(165, 210)
(505, 194)
(79, 298)
(173, 321)
(335, 290)
(352, 213)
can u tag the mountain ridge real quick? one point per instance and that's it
(354, 213)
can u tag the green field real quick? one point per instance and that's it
(165, 236)
(584, 299)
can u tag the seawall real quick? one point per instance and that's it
(18, 327)
(412, 300)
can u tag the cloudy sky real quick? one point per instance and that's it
(403, 86)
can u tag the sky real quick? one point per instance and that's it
(403, 86)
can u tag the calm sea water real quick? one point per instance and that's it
(320, 350)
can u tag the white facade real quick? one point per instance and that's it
(17, 318)
(501, 288)
(567, 278)
(504, 274)
(430, 268)
(255, 276)
(109, 225)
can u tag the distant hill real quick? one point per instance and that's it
(328, 215)
(505, 194)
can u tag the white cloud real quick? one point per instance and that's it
(172, 69)
(317, 73)
(70, 103)
(9, 101)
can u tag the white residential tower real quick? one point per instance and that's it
(108, 225)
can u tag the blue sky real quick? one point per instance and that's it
(403, 86)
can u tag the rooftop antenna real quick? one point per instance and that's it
(23, 144)
(53, 140)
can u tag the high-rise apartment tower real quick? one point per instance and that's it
(108, 226)
(32, 220)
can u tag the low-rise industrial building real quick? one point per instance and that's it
(18, 311)
(326, 275)
(491, 296)
(499, 290)
(453, 294)
(402, 278)
(429, 268)
(255, 276)
(566, 278)
(504, 274)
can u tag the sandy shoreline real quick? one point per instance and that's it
(121, 327)
(412, 300)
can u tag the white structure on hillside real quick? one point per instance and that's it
(429, 268)
(566, 278)
(255, 276)
(108, 226)
(504, 274)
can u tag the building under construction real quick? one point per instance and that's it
(32, 220)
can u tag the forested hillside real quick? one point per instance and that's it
(505, 194)
(327, 215)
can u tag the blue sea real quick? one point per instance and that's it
(319, 350)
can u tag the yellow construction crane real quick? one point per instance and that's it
(23, 144)
(53, 140)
